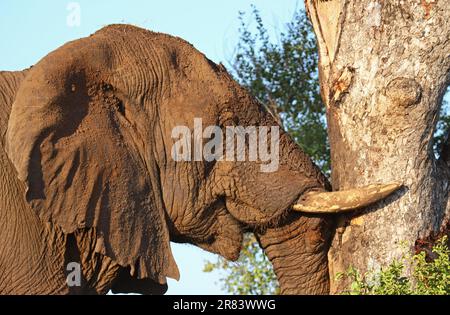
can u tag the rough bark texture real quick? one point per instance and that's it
(384, 68)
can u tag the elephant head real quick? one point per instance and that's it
(91, 136)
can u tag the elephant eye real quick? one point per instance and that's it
(120, 107)
(108, 93)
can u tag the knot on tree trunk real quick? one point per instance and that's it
(404, 92)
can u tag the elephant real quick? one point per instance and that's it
(87, 174)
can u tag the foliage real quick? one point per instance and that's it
(443, 125)
(428, 276)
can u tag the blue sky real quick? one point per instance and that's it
(31, 29)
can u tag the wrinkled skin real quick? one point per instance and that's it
(87, 173)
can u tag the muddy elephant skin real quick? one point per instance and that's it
(87, 173)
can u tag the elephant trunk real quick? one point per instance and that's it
(298, 249)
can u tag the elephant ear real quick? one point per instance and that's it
(78, 155)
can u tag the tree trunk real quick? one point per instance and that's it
(384, 68)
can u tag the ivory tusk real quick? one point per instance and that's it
(345, 200)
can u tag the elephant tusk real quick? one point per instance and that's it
(345, 200)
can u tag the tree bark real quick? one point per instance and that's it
(384, 68)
